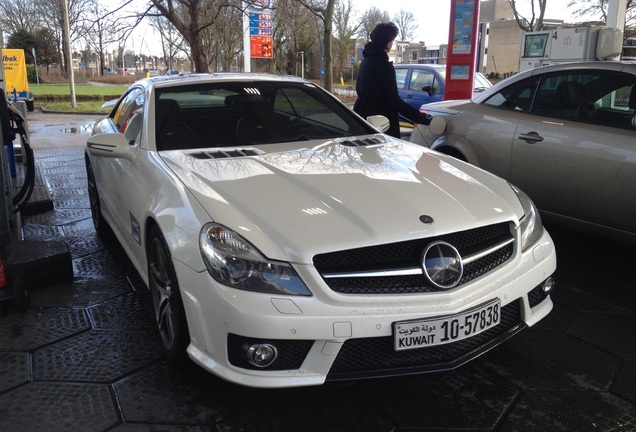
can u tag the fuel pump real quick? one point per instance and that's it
(541, 48)
(10, 288)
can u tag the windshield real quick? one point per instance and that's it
(226, 114)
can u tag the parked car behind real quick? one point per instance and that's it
(425, 83)
(285, 241)
(173, 72)
(565, 134)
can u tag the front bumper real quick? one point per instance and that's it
(330, 336)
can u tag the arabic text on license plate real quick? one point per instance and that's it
(439, 331)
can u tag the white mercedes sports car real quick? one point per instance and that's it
(287, 242)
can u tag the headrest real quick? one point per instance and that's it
(167, 109)
(572, 93)
(632, 97)
(239, 100)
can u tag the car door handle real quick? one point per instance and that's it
(531, 137)
(409, 95)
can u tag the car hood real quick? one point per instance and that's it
(300, 201)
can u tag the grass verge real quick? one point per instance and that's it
(82, 89)
(65, 106)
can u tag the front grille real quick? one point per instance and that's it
(408, 254)
(373, 357)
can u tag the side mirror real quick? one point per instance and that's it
(379, 122)
(428, 89)
(108, 145)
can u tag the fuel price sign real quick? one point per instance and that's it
(261, 35)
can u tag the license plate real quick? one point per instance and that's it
(438, 331)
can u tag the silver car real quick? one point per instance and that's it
(565, 134)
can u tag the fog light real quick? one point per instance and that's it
(547, 286)
(262, 355)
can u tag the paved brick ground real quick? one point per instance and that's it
(85, 356)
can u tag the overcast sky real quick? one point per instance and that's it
(434, 15)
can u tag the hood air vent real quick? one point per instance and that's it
(225, 154)
(362, 142)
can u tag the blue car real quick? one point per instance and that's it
(419, 84)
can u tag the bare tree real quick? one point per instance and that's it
(324, 11)
(534, 21)
(225, 37)
(18, 14)
(370, 18)
(407, 23)
(344, 30)
(103, 28)
(597, 10)
(294, 37)
(172, 42)
(191, 18)
(52, 14)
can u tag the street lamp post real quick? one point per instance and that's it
(35, 61)
(67, 41)
(302, 64)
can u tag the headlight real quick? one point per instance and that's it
(531, 226)
(233, 261)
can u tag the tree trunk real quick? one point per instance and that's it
(328, 50)
(198, 55)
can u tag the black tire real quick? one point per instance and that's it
(20, 295)
(101, 226)
(30, 105)
(166, 298)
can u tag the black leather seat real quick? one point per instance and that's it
(573, 101)
(258, 122)
(172, 133)
(632, 105)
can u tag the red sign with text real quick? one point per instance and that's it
(261, 46)
(462, 49)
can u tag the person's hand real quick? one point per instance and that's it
(425, 119)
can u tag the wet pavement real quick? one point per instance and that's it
(85, 355)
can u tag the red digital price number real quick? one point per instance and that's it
(261, 47)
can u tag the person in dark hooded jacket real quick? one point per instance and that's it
(376, 85)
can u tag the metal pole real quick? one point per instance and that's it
(35, 61)
(2, 83)
(247, 67)
(67, 41)
(616, 14)
(352, 63)
(321, 41)
(302, 64)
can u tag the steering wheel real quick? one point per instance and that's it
(295, 129)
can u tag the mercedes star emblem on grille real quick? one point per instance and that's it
(442, 264)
